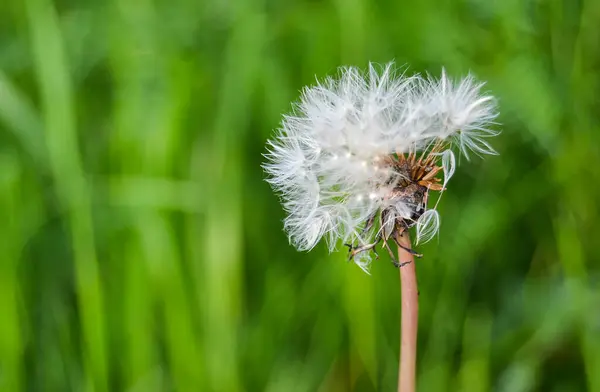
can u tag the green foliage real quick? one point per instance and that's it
(142, 251)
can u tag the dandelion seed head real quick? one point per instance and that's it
(361, 145)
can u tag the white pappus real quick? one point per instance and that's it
(360, 153)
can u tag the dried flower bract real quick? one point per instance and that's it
(361, 153)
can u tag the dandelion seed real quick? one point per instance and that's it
(427, 225)
(402, 129)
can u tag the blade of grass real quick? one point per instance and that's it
(474, 373)
(223, 246)
(139, 351)
(359, 306)
(12, 344)
(72, 188)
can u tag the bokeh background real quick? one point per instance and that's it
(141, 250)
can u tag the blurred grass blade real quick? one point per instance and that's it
(72, 188)
(12, 330)
(223, 249)
(474, 373)
(359, 304)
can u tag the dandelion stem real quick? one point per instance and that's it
(409, 315)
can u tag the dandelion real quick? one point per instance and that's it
(360, 155)
(358, 159)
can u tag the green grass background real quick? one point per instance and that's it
(141, 250)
